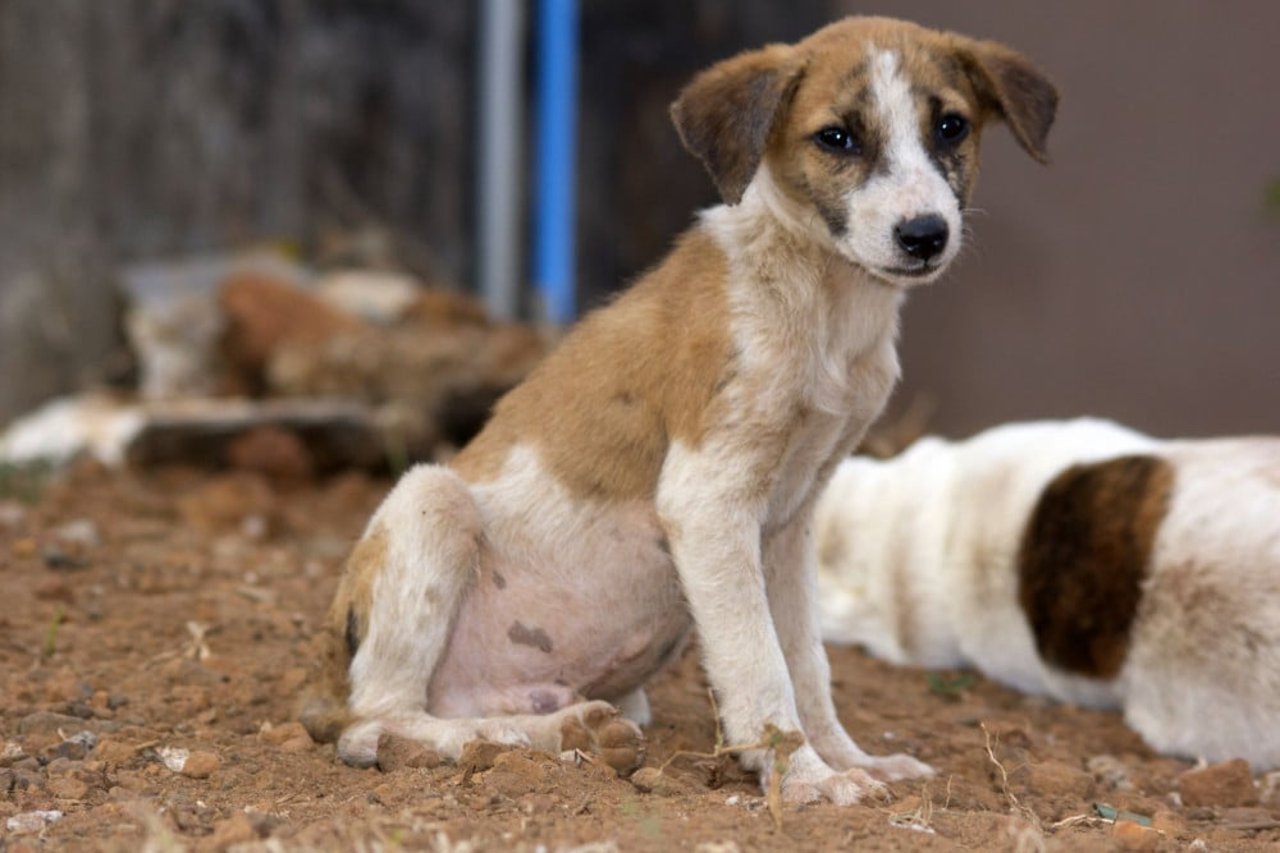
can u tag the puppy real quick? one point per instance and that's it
(658, 471)
(1077, 559)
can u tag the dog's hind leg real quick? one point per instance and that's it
(391, 621)
(396, 604)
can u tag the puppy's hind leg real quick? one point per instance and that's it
(394, 610)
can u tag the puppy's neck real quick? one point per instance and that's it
(782, 255)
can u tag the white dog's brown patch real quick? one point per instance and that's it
(1086, 551)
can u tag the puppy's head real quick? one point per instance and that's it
(868, 130)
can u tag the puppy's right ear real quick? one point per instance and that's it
(725, 115)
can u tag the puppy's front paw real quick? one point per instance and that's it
(808, 779)
(892, 768)
(843, 788)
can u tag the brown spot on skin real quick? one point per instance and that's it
(499, 581)
(1084, 556)
(519, 634)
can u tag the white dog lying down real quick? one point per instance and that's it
(1077, 559)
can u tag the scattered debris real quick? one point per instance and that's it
(1111, 813)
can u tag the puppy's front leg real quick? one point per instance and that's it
(790, 567)
(712, 520)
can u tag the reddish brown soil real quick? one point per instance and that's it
(180, 610)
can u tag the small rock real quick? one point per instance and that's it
(11, 752)
(68, 788)
(115, 752)
(516, 773)
(74, 748)
(175, 758)
(201, 765)
(1110, 772)
(478, 755)
(47, 722)
(1134, 836)
(651, 780)
(1226, 784)
(395, 753)
(284, 732)
(236, 829)
(32, 822)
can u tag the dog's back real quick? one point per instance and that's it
(1080, 560)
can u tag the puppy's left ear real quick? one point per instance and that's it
(725, 115)
(1012, 87)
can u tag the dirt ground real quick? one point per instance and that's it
(178, 611)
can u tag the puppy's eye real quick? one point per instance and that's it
(952, 128)
(837, 139)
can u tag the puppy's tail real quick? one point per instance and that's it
(322, 708)
(323, 715)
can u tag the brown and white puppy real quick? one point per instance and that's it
(658, 471)
(1077, 559)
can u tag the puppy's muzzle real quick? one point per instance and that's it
(923, 237)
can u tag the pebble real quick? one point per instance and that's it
(1134, 836)
(47, 722)
(31, 822)
(395, 753)
(651, 780)
(1227, 784)
(201, 765)
(112, 751)
(1110, 772)
(236, 829)
(478, 755)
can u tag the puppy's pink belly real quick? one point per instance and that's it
(530, 647)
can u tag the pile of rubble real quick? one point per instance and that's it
(255, 361)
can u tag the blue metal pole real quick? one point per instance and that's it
(555, 211)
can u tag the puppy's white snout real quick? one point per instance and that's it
(922, 237)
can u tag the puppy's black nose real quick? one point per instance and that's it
(923, 237)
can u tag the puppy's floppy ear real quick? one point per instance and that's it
(724, 116)
(1013, 88)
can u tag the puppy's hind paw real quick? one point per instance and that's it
(597, 728)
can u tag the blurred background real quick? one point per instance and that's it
(1138, 277)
